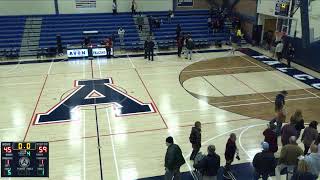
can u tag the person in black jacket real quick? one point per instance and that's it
(290, 53)
(150, 47)
(195, 139)
(264, 163)
(178, 31)
(231, 151)
(173, 160)
(145, 49)
(209, 165)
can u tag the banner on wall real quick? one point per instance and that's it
(86, 3)
(183, 3)
(78, 53)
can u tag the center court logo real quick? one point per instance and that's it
(90, 93)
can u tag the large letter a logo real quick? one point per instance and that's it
(93, 92)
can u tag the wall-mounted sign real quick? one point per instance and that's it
(282, 7)
(182, 3)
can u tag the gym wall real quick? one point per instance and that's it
(36, 7)
(26, 7)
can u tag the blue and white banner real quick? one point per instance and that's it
(77, 53)
(296, 74)
(99, 52)
(182, 3)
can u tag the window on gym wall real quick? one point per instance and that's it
(86, 3)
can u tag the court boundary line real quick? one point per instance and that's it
(264, 102)
(153, 102)
(152, 130)
(223, 102)
(37, 103)
(261, 94)
(295, 84)
(212, 85)
(97, 128)
(110, 131)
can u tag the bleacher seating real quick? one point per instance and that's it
(70, 27)
(194, 22)
(11, 32)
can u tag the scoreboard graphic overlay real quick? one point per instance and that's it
(24, 159)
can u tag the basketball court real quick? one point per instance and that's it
(227, 93)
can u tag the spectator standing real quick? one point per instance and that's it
(299, 121)
(121, 33)
(108, 44)
(313, 161)
(150, 49)
(271, 138)
(302, 172)
(317, 143)
(173, 160)
(170, 16)
(264, 163)
(209, 165)
(87, 41)
(145, 47)
(180, 45)
(178, 31)
(291, 53)
(140, 21)
(114, 7)
(279, 49)
(133, 7)
(231, 151)
(288, 157)
(195, 139)
(279, 106)
(309, 135)
(287, 131)
(189, 46)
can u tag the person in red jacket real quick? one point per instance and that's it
(270, 137)
(108, 43)
(180, 44)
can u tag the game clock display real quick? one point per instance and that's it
(24, 159)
